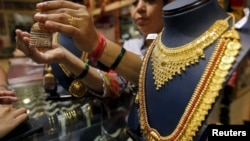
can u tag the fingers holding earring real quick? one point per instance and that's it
(21, 46)
(22, 42)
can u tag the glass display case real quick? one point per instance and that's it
(60, 116)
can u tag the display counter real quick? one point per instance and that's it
(60, 116)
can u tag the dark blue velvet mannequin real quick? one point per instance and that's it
(61, 77)
(184, 21)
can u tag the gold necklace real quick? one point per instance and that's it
(77, 88)
(204, 95)
(168, 62)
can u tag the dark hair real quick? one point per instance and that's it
(167, 1)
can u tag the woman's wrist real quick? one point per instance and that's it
(67, 57)
(73, 64)
(83, 73)
(98, 51)
(93, 42)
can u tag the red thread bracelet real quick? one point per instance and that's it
(96, 54)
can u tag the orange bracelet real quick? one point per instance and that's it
(96, 54)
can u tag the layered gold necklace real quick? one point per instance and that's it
(168, 62)
(205, 93)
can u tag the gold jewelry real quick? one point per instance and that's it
(71, 21)
(40, 37)
(205, 93)
(77, 88)
(49, 80)
(168, 62)
(88, 113)
(52, 129)
(70, 116)
(65, 70)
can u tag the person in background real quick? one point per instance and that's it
(147, 16)
(10, 117)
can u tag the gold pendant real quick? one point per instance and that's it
(78, 89)
(49, 80)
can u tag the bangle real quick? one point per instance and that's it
(118, 59)
(103, 83)
(104, 94)
(96, 54)
(84, 72)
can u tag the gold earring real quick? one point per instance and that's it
(49, 80)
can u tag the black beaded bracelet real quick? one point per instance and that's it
(84, 72)
(118, 59)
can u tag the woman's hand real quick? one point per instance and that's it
(69, 18)
(10, 118)
(54, 55)
(7, 97)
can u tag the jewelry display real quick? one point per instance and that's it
(207, 88)
(62, 124)
(77, 88)
(168, 62)
(70, 117)
(52, 125)
(88, 113)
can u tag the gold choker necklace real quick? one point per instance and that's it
(168, 62)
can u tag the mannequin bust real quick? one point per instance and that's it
(170, 111)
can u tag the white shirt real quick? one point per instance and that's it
(136, 46)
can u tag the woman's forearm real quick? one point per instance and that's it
(129, 66)
(76, 66)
